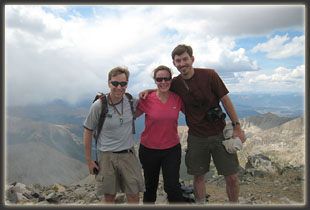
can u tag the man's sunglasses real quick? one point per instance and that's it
(160, 79)
(115, 83)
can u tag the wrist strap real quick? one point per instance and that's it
(235, 124)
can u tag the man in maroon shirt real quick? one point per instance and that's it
(201, 91)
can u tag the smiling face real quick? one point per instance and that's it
(163, 80)
(118, 91)
(184, 63)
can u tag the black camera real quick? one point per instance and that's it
(95, 170)
(215, 114)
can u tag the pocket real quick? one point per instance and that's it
(99, 178)
(99, 184)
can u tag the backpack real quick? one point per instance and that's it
(104, 110)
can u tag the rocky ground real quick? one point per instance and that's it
(259, 185)
(266, 189)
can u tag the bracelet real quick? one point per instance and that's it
(235, 124)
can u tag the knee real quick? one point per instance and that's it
(199, 178)
(171, 186)
(232, 179)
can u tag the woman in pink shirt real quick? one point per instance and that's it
(160, 144)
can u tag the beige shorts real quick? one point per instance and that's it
(119, 172)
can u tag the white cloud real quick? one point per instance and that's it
(280, 79)
(55, 52)
(219, 54)
(282, 47)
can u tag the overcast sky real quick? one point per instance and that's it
(66, 51)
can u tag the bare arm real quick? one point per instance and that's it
(87, 148)
(230, 110)
(143, 94)
(138, 113)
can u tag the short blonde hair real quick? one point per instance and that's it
(118, 70)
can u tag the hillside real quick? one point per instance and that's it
(284, 144)
(35, 162)
(43, 153)
(63, 138)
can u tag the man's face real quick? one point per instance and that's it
(184, 63)
(118, 90)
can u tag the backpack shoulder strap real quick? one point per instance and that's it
(129, 96)
(104, 111)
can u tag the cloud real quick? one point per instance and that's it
(280, 80)
(233, 20)
(282, 47)
(219, 54)
(65, 52)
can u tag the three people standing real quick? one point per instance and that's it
(197, 92)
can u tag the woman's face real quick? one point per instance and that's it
(163, 80)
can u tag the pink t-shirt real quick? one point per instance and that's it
(161, 121)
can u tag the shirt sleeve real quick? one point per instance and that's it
(218, 85)
(92, 118)
(142, 104)
(182, 106)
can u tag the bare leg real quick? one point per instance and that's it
(109, 199)
(200, 187)
(132, 198)
(232, 187)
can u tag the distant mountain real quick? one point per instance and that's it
(289, 105)
(51, 113)
(59, 137)
(45, 153)
(284, 144)
(36, 162)
(264, 121)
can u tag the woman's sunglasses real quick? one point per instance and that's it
(160, 79)
(115, 83)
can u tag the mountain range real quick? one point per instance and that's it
(44, 144)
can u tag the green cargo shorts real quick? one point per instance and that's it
(200, 150)
(119, 172)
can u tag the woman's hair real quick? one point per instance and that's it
(162, 68)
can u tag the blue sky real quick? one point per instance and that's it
(66, 51)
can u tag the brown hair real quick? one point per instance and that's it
(162, 68)
(118, 70)
(182, 48)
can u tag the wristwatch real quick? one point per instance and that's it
(235, 124)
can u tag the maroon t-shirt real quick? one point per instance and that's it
(205, 89)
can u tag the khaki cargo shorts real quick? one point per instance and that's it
(119, 172)
(200, 150)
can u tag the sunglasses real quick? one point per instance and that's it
(115, 83)
(160, 79)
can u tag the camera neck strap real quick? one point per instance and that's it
(190, 92)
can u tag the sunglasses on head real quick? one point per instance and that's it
(115, 83)
(160, 79)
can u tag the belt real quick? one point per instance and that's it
(123, 151)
